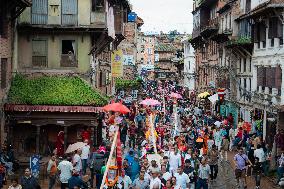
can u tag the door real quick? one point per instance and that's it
(39, 12)
(69, 12)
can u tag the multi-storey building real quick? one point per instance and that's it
(249, 58)
(205, 25)
(189, 65)
(9, 11)
(61, 54)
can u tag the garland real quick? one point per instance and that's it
(112, 183)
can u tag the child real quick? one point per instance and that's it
(257, 168)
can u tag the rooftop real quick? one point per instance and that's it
(164, 47)
(53, 90)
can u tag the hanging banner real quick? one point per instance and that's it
(128, 60)
(117, 63)
(34, 165)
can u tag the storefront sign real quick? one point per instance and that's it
(128, 60)
(117, 63)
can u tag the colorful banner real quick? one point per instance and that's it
(117, 63)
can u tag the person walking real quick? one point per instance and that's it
(241, 161)
(257, 169)
(28, 181)
(51, 171)
(77, 163)
(213, 162)
(85, 156)
(65, 168)
(182, 178)
(203, 175)
(141, 182)
(15, 184)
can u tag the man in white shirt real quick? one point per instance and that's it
(65, 168)
(77, 163)
(258, 152)
(165, 175)
(182, 178)
(85, 156)
(125, 180)
(175, 161)
(155, 182)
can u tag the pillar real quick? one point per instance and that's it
(264, 124)
(37, 139)
(65, 137)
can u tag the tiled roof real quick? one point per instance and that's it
(164, 47)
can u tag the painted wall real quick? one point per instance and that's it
(54, 13)
(255, 3)
(189, 66)
(83, 43)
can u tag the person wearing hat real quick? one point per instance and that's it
(154, 166)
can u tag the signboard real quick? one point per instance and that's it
(148, 67)
(156, 57)
(116, 63)
(34, 165)
(128, 60)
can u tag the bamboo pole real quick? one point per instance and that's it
(109, 158)
(153, 133)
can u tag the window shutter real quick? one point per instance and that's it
(279, 29)
(3, 72)
(261, 74)
(254, 32)
(278, 77)
(262, 32)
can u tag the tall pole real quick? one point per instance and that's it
(153, 133)
(109, 158)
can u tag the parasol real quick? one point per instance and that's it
(116, 107)
(217, 123)
(150, 102)
(76, 146)
(175, 95)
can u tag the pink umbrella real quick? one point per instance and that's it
(175, 95)
(150, 102)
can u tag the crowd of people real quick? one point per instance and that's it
(181, 149)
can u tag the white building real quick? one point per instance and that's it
(189, 65)
(268, 64)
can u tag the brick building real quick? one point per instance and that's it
(9, 11)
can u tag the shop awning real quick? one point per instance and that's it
(39, 108)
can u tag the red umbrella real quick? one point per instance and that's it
(116, 107)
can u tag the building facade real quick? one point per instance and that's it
(189, 66)
(9, 11)
(239, 46)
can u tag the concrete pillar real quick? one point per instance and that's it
(264, 124)
(37, 139)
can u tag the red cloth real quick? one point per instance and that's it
(60, 144)
(111, 120)
(86, 135)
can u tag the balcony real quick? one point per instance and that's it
(222, 35)
(211, 28)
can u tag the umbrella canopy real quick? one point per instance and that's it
(76, 146)
(116, 107)
(150, 102)
(175, 95)
(218, 123)
(203, 95)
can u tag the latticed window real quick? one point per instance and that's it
(39, 53)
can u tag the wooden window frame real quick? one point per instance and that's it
(46, 54)
(4, 66)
